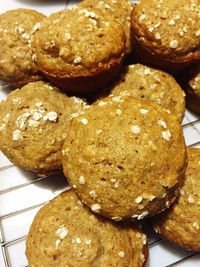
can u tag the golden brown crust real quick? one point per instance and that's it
(119, 171)
(80, 44)
(181, 223)
(17, 66)
(169, 30)
(190, 80)
(120, 9)
(34, 121)
(85, 85)
(150, 59)
(154, 85)
(65, 234)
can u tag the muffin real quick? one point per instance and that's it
(166, 33)
(181, 223)
(17, 65)
(130, 158)
(155, 85)
(190, 80)
(64, 233)
(80, 50)
(34, 122)
(120, 9)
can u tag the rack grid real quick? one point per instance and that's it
(22, 194)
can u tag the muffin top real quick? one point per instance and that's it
(170, 29)
(64, 233)
(181, 223)
(130, 157)
(34, 121)
(17, 60)
(120, 9)
(155, 85)
(78, 41)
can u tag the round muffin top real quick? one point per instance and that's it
(77, 41)
(17, 65)
(170, 29)
(64, 233)
(155, 85)
(130, 157)
(121, 10)
(181, 223)
(34, 121)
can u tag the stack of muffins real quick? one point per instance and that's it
(121, 147)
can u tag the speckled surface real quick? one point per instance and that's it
(118, 171)
(120, 9)
(154, 85)
(66, 234)
(16, 31)
(169, 29)
(34, 121)
(181, 223)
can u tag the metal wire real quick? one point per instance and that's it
(6, 244)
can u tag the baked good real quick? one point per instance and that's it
(166, 33)
(65, 233)
(190, 80)
(181, 223)
(80, 50)
(152, 84)
(34, 121)
(17, 65)
(120, 9)
(130, 158)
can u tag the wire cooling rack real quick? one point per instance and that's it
(22, 193)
